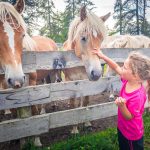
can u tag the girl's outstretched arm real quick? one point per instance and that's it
(109, 61)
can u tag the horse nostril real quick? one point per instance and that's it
(9, 81)
(60, 65)
(95, 75)
(24, 77)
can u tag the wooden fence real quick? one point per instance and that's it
(31, 95)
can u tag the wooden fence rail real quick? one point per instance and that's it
(28, 96)
(44, 60)
(36, 125)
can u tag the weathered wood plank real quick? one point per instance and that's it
(44, 60)
(28, 96)
(19, 128)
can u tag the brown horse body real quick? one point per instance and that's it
(42, 43)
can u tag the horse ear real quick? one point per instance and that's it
(83, 13)
(19, 6)
(105, 17)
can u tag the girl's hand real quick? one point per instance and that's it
(120, 102)
(98, 53)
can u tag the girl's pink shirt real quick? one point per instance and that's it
(132, 129)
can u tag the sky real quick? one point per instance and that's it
(103, 7)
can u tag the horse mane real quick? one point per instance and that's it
(28, 43)
(7, 12)
(91, 25)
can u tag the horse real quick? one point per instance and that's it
(12, 39)
(126, 41)
(13, 33)
(12, 29)
(42, 43)
(85, 33)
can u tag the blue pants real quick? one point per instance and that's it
(125, 144)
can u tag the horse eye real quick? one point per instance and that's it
(23, 35)
(84, 39)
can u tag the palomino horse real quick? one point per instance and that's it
(126, 41)
(42, 76)
(42, 43)
(12, 29)
(12, 36)
(85, 33)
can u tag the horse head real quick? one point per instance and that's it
(12, 33)
(85, 34)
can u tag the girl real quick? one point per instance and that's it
(132, 98)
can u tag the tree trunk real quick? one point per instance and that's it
(137, 16)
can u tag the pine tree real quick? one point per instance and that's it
(130, 16)
(118, 8)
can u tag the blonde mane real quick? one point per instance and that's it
(90, 26)
(7, 11)
(29, 44)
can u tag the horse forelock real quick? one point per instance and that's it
(7, 15)
(8, 12)
(91, 25)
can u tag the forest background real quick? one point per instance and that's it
(44, 17)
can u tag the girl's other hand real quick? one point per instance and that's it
(120, 102)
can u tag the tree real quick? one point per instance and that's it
(118, 8)
(28, 2)
(130, 16)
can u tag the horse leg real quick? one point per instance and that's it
(111, 96)
(42, 109)
(75, 127)
(32, 78)
(34, 109)
(86, 103)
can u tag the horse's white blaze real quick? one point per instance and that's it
(16, 72)
(10, 33)
(94, 33)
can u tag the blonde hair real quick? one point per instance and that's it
(140, 65)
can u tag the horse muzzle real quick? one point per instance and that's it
(16, 83)
(95, 75)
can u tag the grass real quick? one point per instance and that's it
(104, 140)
